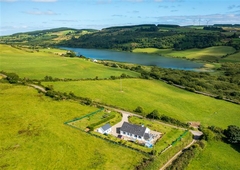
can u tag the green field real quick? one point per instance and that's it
(232, 58)
(216, 155)
(209, 54)
(33, 135)
(37, 65)
(152, 94)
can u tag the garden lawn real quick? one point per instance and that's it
(210, 53)
(33, 135)
(37, 65)
(153, 94)
(168, 134)
(86, 121)
(216, 155)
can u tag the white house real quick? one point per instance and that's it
(105, 129)
(135, 132)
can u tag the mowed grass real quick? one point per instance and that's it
(39, 64)
(153, 94)
(216, 155)
(211, 53)
(168, 134)
(33, 135)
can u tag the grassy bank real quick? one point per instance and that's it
(37, 65)
(150, 94)
(33, 135)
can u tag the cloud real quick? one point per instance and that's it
(200, 19)
(233, 7)
(104, 1)
(37, 12)
(8, 0)
(44, 0)
(162, 6)
(65, 20)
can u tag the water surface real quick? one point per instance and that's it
(137, 58)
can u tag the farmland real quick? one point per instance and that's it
(207, 54)
(216, 155)
(37, 65)
(150, 94)
(35, 137)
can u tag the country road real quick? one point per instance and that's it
(176, 155)
(38, 87)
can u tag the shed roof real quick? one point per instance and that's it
(133, 129)
(106, 127)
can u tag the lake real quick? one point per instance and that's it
(137, 58)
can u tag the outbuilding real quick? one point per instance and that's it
(105, 129)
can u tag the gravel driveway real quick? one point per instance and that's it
(116, 127)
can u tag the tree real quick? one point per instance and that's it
(154, 115)
(139, 109)
(12, 78)
(233, 134)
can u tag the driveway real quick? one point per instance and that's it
(116, 127)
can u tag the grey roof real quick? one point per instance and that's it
(106, 127)
(133, 129)
(146, 136)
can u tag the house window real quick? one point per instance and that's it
(124, 133)
(139, 137)
(135, 136)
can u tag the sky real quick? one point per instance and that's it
(29, 15)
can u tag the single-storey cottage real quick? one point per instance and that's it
(106, 129)
(135, 132)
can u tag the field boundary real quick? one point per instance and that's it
(97, 136)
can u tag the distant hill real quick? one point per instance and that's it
(127, 38)
(45, 37)
(162, 36)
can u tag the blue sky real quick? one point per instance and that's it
(27, 15)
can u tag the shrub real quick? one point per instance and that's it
(139, 109)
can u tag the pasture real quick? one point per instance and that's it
(33, 135)
(153, 94)
(216, 155)
(207, 54)
(37, 65)
(232, 58)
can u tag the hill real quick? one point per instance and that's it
(153, 94)
(37, 64)
(33, 135)
(44, 37)
(127, 38)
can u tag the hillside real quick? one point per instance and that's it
(127, 38)
(44, 37)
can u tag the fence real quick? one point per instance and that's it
(79, 118)
(108, 140)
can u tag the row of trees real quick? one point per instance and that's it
(156, 115)
(230, 135)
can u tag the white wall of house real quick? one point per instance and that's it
(100, 130)
(131, 135)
